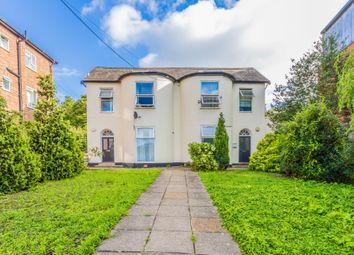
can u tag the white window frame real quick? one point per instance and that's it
(102, 98)
(243, 96)
(31, 56)
(136, 144)
(8, 42)
(145, 95)
(217, 96)
(9, 80)
(30, 89)
(202, 136)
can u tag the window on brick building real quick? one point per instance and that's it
(31, 97)
(4, 42)
(6, 83)
(31, 61)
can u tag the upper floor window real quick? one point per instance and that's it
(210, 94)
(4, 42)
(106, 96)
(31, 97)
(208, 134)
(31, 61)
(246, 96)
(6, 83)
(145, 94)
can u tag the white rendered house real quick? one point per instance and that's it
(139, 116)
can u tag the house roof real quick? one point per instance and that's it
(176, 74)
(338, 15)
(18, 34)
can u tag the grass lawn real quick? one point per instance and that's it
(70, 216)
(267, 214)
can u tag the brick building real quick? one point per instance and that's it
(21, 62)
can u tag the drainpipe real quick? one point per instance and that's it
(19, 69)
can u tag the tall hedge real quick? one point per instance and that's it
(19, 166)
(221, 143)
(267, 156)
(53, 138)
(314, 145)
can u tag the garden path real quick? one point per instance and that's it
(174, 216)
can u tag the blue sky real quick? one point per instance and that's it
(264, 34)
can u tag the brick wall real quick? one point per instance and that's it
(8, 60)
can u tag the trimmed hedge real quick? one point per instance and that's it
(203, 157)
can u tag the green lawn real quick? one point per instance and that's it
(267, 214)
(70, 216)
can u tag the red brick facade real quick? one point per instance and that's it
(9, 68)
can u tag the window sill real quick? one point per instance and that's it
(33, 69)
(30, 107)
(245, 111)
(210, 108)
(7, 90)
(146, 107)
(107, 112)
(8, 50)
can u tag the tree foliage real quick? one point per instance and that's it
(221, 143)
(75, 111)
(267, 156)
(311, 78)
(203, 157)
(345, 85)
(313, 146)
(19, 167)
(53, 138)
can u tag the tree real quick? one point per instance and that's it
(312, 78)
(345, 85)
(221, 143)
(52, 137)
(313, 145)
(19, 165)
(75, 111)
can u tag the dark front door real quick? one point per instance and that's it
(245, 148)
(108, 149)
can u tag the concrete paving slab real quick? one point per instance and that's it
(125, 241)
(143, 210)
(176, 195)
(169, 201)
(216, 244)
(172, 224)
(135, 223)
(206, 225)
(173, 211)
(176, 242)
(204, 212)
(200, 202)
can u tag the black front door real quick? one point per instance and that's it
(245, 148)
(108, 149)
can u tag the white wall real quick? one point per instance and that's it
(177, 117)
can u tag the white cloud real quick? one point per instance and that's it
(67, 72)
(92, 6)
(125, 25)
(264, 34)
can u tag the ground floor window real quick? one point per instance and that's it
(208, 134)
(145, 142)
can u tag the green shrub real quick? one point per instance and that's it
(202, 155)
(267, 156)
(313, 145)
(19, 166)
(221, 143)
(59, 147)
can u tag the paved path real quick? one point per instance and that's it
(174, 216)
